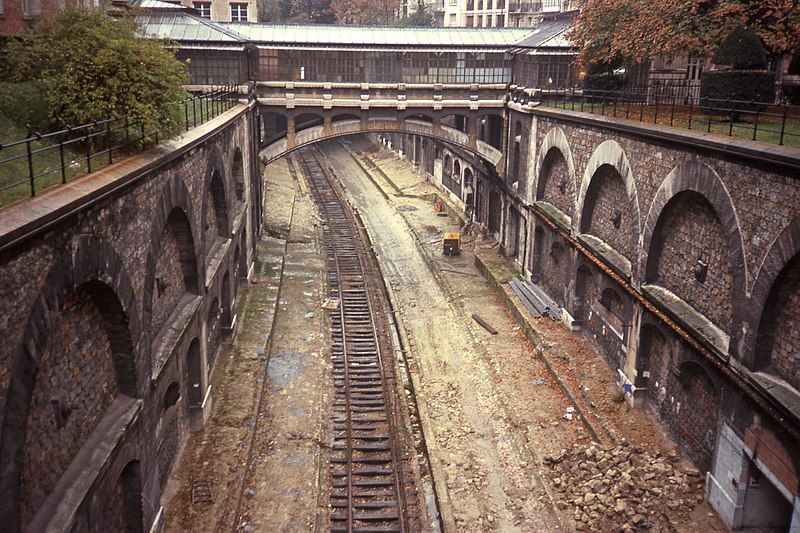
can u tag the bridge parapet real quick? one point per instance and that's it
(391, 96)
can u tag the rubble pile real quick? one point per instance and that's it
(624, 488)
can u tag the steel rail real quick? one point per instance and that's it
(364, 385)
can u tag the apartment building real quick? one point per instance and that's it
(473, 13)
(225, 10)
(496, 13)
(16, 16)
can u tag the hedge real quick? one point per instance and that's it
(746, 85)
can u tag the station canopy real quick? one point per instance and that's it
(189, 30)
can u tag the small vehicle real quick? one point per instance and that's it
(451, 244)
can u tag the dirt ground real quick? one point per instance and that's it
(264, 448)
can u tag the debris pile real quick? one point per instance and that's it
(625, 487)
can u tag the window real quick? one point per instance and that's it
(31, 8)
(2, 8)
(470, 21)
(238, 12)
(204, 8)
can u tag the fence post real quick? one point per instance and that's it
(108, 140)
(710, 109)
(755, 124)
(731, 109)
(127, 132)
(186, 113)
(30, 162)
(691, 105)
(655, 116)
(61, 157)
(88, 141)
(783, 124)
(672, 112)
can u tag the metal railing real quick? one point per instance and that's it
(757, 121)
(52, 158)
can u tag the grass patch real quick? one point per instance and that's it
(46, 164)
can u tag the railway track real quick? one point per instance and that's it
(368, 489)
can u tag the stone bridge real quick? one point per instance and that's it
(297, 114)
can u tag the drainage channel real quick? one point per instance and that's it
(373, 485)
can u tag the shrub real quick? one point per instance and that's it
(604, 82)
(741, 50)
(24, 105)
(91, 66)
(758, 86)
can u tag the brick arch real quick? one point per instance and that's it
(609, 153)
(698, 183)
(175, 204)
(555, 142)
(771, 448)
(88, 267)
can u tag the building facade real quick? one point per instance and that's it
(497, 13)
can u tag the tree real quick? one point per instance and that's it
(365, 11)
(90, 66)
(313, 11)
(274, 10)
(639, 30)
(421, 17)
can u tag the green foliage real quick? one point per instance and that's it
(602, 76)
(604, 82)
(741, 50)
(24, 105)
(91, 66)
(746, 85)
(422, 17)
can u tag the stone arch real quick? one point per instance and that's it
(457, 170)
(168, 431)
(772, 277)
(120, 509)
(303, 121)
(173, 214)
(416, 115)
(460, 121)
(585, 288)
(777, 347)
(652, 360)
(273, 125)
(694, 188)
(516, 155)
(607, 157)
(278, 147)
(555, 173)
(194, 368)
(215, 210)
(343, 116)
(698, 413)
(225, 296)
(213, 331)
(238, 173)
(87, 289)
(447, 167)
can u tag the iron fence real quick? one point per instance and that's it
(52, 158)
(757, 121)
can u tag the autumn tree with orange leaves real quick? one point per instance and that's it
(639, 30)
